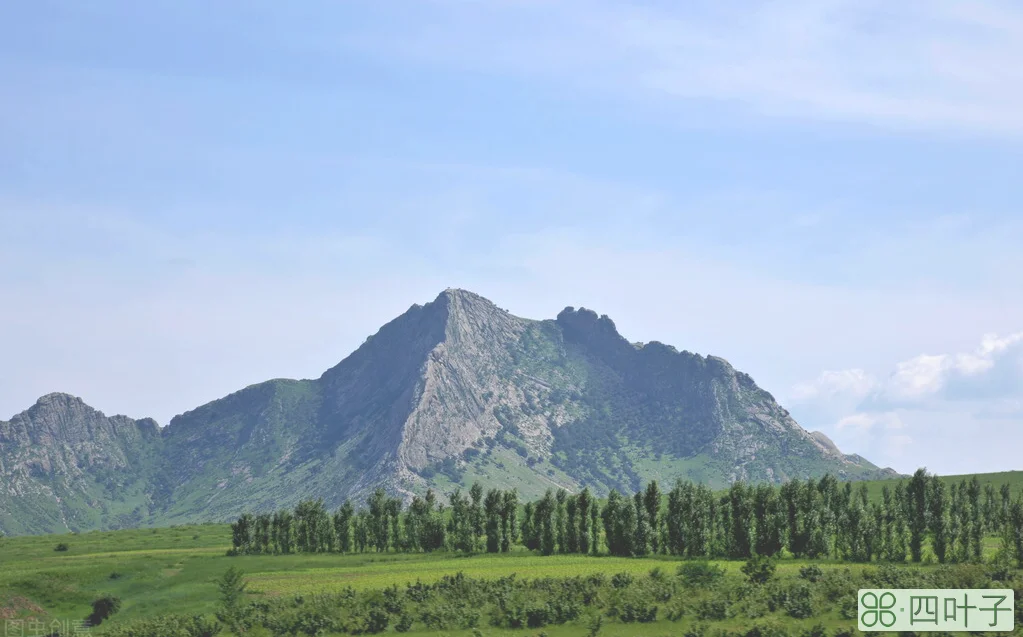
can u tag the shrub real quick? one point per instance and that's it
(759, 569)
(712, 609)
(848, 607)
(166, 626)
(1000, 567)
(621, 580)
(377, 621)
(811, 573)
(799, 601)
(404, 623)
(636, 611)
(61, 547)
(817, 630)
(103, 608)
(696, 630)
(677, 609)
(767, 629)
(700, 573)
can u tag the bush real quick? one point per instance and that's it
(811, 573)
(714, 608)
(817, 630)
(696, 630)
(61, 547)
(167, 626)
(700, 573)
(377, 621)
(621, 580)
(676, 610)
(848, 607)
(759, 569)
(799, 601)
(404, 623)
(102, 609)
(767, 629)
(1000, 568)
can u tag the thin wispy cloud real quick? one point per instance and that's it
(931, 65)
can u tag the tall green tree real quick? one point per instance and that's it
(476, 517)
(652, 507)
(379, 529)
(492, 504)
(528, 530)
(937, 506)
(571, 524)
(433, 537)
(284, 541)
(976, 519)
(560, 521)
(241, 533)
(263, 538)
(509, 518)
(769, 521)
(916, 497)
(583, 504)
(641, 536)
(343, 526)
(461, 527)
(1013, 530)
(543, 517)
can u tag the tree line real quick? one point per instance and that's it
(813, 518)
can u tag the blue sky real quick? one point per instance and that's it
(195, 197)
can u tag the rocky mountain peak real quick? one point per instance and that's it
(451, 391)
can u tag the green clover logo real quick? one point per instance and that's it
(878, 609)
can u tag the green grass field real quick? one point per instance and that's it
(174, 571)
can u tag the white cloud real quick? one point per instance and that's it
(994, 369)
(926, 401)
(866, 422)
(854, 383)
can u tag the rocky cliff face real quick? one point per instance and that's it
(449, 392)
(65, 465)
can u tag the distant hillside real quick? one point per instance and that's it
(1013, 478)
(449, 392)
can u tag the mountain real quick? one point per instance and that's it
(449, 392)
(65, 465)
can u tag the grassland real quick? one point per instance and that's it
(175, 570)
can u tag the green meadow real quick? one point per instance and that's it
(175, 571)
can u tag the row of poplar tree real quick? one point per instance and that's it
(807, 518)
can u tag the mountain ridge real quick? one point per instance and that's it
(450, 391)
